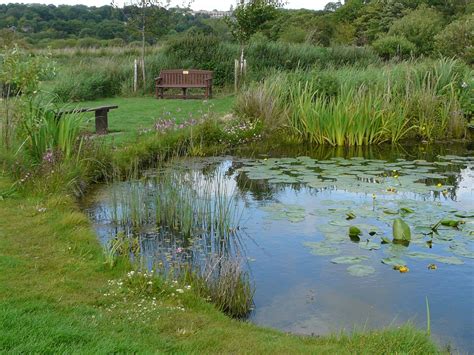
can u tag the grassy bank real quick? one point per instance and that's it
(57, 295)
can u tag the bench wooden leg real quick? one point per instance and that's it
(101, 121)
(184, 93)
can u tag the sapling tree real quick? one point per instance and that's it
(146, 18)
(248, 18)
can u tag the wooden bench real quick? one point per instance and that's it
(184, 79)
(101, 116)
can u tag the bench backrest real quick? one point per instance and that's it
(185, 76)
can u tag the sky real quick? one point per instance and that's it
(196, 4)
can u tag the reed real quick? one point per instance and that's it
(351, 106)
(47, 137)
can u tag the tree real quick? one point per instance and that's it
(419, 26)
(143, 16)
(457, 39)
(332, 6)
(250, 17)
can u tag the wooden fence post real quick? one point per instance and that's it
(135, 75)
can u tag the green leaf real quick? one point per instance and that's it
(450, 223)
(401, 230)
(368, 245)
(349, 259)
(360, 270)
(393, 260)
(385, 240)
(354, 231)
(350, 215)
(322, 248)
(406, 210)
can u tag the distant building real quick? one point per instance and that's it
(212, 13)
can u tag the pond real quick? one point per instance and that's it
(287, 214)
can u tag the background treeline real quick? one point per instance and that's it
(399, 28)
(79, 25)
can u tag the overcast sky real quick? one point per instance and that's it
(197, 4)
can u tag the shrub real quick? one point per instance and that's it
(419, 27)
(351, 55)
(457, 39)
(389, 47)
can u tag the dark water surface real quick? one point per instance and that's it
(291, 208)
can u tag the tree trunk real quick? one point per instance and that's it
(143, 45)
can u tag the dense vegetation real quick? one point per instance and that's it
(401, 28)
(425, 100)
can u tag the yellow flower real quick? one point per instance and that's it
(439, 184)
(373, 196)
(403, 269)
(432, 267)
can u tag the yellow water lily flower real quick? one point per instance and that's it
(403, 269)
(439, 184)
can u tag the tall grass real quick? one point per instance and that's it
(350, 106)
(223, 282)
(93, 73)
(185, 203)
(44, 132)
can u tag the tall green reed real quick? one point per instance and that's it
(44, 131)
(350, 106)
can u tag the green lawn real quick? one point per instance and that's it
(138, 113)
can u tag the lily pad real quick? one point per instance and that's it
(401, 230)
(322, 248)
(393, 260)
(349, 259)
(360, 270)
(369, 245)
(452, 260)
(354, 232)
(465, 214)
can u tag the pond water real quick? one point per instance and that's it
(290, 212)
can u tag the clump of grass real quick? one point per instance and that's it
(223, 282)
(44, 133)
